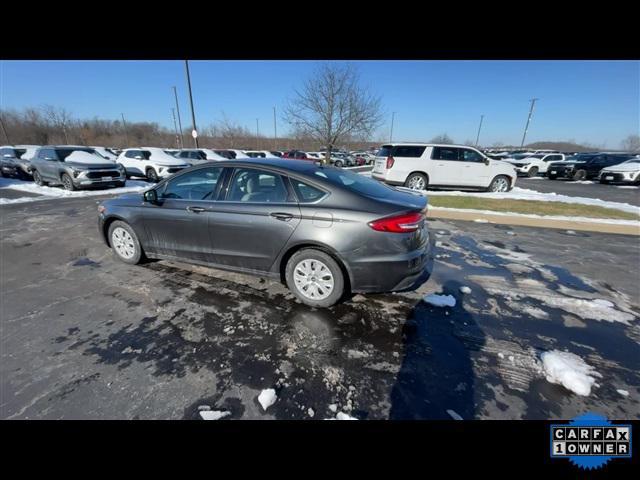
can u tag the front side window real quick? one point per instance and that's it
(444, 153)
(196, 185)
(305, 192)
(471, 156)
(257, 186)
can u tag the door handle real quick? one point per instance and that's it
(285, 217)
(195, 209)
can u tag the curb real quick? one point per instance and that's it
(594, 226)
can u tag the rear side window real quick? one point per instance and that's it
(408, 151)
(445, 153)
(385, 151)
(305, 192)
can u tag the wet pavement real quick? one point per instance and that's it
(85, 336)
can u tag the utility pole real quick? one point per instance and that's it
(275, 129)
(478, 137)
(193, 114)
(393, 114)
(4, 130)
(124, 126)
(257, 134)
(175, 126)
(175, 93)
(533, 102)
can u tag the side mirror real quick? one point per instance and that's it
(487, 161)
(151, 196)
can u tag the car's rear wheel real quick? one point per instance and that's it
(338, 163)
(152, 175)
(315, 278)
(417, 181)
(533, 171)
(68, 183)
(37, 178)
(500, 184)
(125, 243)
(580, 175)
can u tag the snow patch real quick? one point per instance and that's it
(570, 371)
(465, 289)
(344, 416)
(440, 300)
(213, 414)
(481, 220)
(624, 393)
(267, 398)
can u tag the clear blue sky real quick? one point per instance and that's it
(594, 101)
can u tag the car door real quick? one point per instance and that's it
(254, 221)
(48, 166)
(444, 167)
(178, 225)
(133, 162)
(473, 171)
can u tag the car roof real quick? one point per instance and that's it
(420, 144)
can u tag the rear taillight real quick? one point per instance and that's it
(390, 162)
(409, 222)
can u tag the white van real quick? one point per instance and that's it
(421, 165)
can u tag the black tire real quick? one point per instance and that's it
(37, 178)
(603, 181)
(580, 175)
(417, 179)
(338, 277)
(152, 175)
(67, 182)
(533, 171)
(338, 163)
(138, 254)
(497, 182)
(552, 177)
(126, 175)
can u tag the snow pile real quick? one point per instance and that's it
(624, 393)
(465, 289)
(570, 371)
(481, 220)
(598, 309)
(267, 398)
(344, 416)
(213, 414)
(440, 300)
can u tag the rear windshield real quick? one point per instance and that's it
(354, 182)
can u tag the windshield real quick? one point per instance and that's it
(65, 152)
(354, 182)
(19, 152)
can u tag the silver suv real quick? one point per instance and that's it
(74, 168)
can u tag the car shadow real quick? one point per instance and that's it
(436, 375)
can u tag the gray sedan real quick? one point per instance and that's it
(323, 231)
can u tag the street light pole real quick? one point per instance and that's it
(193, 114)
(175, 93)
(478, 137)
(393, 114)
(275, 129)
(533, 102)
(175, 126)
(257, 134)
(124, 126)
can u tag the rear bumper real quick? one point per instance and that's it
(399, 273)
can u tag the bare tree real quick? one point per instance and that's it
(443, 138)
(333, 106)
(631, 143)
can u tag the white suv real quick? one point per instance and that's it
(422, 165)
(533, 164)
(153, 163)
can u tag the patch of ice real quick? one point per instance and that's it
(570, 371)
(597, 309)
(465, 289)
(344, 416)
(440, 300)
(213, 414)
(454, 415)
(511, 233)
(267, 398)
(624, 393)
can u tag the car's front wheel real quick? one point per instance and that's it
(68, 183)
(152, 175)
(580, 175)
(315, 278)
(533, 171)
(338, 163)
(500, 184)
(417, 181)
(125, 243)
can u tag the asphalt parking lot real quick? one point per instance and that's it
(85, 336)
(593, 189)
